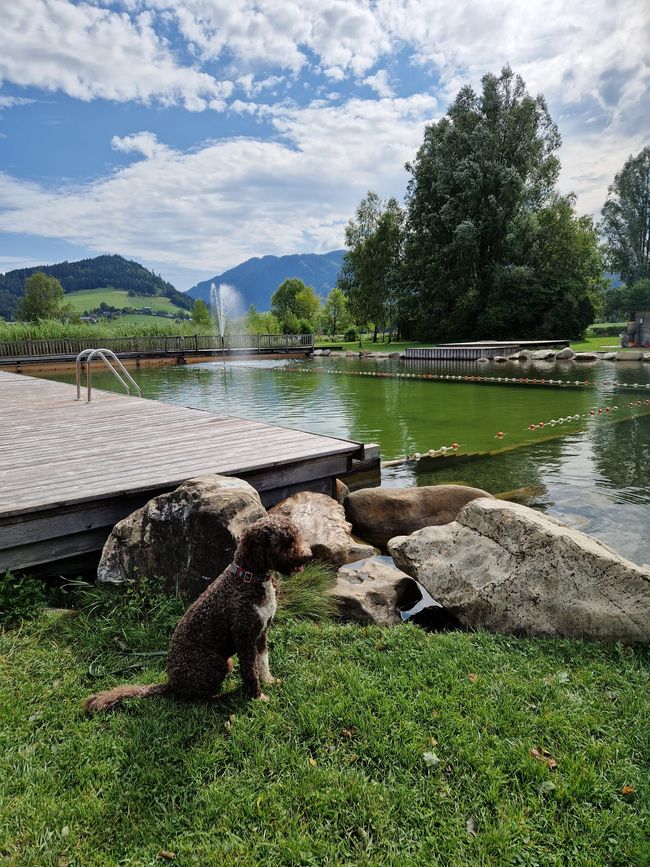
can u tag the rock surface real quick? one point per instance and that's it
(544, 355)
(378, 514)
(187, 537)
(610, 356)
(565, 354)
(373, 591)
(504, 567)
(322, 523)
(629, 356)
(585, 356)
(341, 492)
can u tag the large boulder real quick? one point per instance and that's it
(564, 354)
(504, 567)
(322, 523)
(543, 355)
(629, 355)
(374, 591)
(378, 514)
(187, 537)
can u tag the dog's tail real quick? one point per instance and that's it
(110, 698)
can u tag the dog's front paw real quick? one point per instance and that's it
(263, 697)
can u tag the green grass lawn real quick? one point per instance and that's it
(597, 344)
(89, 299)
(386, 747)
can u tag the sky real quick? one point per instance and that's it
(191, 135)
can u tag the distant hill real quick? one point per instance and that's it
(113, 272)
(258, 278)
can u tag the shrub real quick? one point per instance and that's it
(351, 334)
(606, 329)
(21, 596)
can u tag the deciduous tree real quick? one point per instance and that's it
(626, 219)
(479, 177)
(335, 315)
(370, 273)
(201, 314)
(43, 298)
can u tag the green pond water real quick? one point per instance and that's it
(590, 468)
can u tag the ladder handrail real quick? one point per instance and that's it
(86, 356)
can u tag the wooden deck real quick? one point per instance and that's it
(69, 470)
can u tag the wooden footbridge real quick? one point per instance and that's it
(69, 469)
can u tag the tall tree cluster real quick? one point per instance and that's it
(486, 246)
(626, 220)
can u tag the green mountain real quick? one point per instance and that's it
(111, 272)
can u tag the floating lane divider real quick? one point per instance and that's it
(592, 413)
(447, 377)
(447, 451)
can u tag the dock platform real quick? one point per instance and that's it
(69, 470)
(478, 349)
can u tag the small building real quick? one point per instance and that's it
(637, 332)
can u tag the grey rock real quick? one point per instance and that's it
(543, 355)
(186, 537)
(373, 591)
(629, 355)
(564, 354)
(317, 352)
(482, 360)
(609, 356)
(585, 356)
(378, 514)
(322, 523)
(499, 359)
(506, 568)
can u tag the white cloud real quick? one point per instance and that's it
(145, 143)
(89, 51)
(212, 207)
(380, 83)
(11, 101)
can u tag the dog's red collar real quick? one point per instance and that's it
(247, 577)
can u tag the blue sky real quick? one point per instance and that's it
(192, 135)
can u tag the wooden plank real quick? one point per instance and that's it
(89, 484)
(50, 550)
(64, 522)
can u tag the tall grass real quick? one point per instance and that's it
(53, 329)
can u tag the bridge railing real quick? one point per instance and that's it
(186, 344)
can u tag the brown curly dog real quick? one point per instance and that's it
(232, 616)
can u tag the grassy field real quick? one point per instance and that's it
(379, 747)
(89, 299)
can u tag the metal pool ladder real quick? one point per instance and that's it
(111, 361)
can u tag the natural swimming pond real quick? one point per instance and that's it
(583, 447)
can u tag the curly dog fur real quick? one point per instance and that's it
(232, 616)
